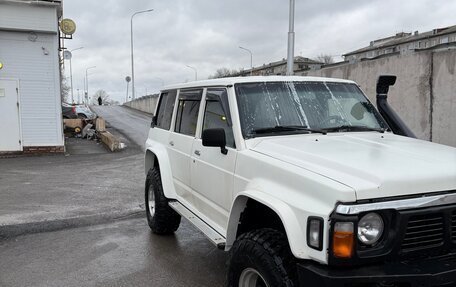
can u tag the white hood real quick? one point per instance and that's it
(373, 164)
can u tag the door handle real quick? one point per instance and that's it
(197, 152)
(171, 143)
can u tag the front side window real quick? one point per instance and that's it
(187, 112)
(314, 105)
(216, 114)
(165, 109)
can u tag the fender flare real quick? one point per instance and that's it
(158, 153)
(296, 236)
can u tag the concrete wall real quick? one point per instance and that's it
(146, 104)
(444, 98)
(424, 94)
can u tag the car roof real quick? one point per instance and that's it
(254, 79)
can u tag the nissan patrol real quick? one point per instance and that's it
(304, 182)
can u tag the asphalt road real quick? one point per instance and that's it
(124, 253)
(133, 124)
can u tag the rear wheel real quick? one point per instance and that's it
(261, 258)
(161, 218)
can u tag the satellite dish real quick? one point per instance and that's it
(67, 55)
(128, 79)
(67, 26)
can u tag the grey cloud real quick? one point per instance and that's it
(207, 33)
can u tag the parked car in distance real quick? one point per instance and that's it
(85, 112)
(81, 111)
(304, 182)
(69, 111)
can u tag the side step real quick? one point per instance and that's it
(210, 233)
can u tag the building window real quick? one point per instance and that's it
(411, 46)
(389, 51)
(444, 40)
(426, 44)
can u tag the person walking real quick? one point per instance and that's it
(100, 101)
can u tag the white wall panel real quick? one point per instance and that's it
(28, 17)
(36, 66)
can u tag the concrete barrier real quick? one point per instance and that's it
(146, 104)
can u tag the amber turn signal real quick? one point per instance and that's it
(343, 239)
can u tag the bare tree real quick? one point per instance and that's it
(324, 58)
(65, 91)
(224, 73)
(104, 98)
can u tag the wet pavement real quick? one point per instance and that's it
(76, 186)
(124, 253)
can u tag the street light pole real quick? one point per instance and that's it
(291, 40)
(195, 70)
(132, 58)
(251, 59)
(71, 73)
(87, 83)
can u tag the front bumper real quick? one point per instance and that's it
(427, 272)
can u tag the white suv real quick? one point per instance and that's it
(304, 182)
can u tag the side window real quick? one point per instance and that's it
(187, 112)
(216, 114)
(165, 109)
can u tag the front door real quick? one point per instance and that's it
(9, 116)
(213, 171)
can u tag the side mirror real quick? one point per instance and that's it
(215, 138)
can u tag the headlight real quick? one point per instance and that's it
(370, 228)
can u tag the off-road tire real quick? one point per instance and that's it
(268, 252)
(164, 219)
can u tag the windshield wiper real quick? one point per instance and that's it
(279, 129)
(348, 128)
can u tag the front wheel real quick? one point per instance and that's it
(261, 258)
(162, 219)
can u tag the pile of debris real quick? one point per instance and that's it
(92, 130)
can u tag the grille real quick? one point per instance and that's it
(424, 231)
(453, 226)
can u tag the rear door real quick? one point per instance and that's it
(9, 116)
(181, 140)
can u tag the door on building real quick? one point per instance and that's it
(9, 116)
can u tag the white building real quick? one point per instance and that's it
(30, 103)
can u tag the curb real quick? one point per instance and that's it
(14, 230)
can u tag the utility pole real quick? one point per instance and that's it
(87, 83)
(291, 40)
(132, 58)
(71, 72)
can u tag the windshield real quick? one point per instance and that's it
(314, 105)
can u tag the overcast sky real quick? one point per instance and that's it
(206, 34)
